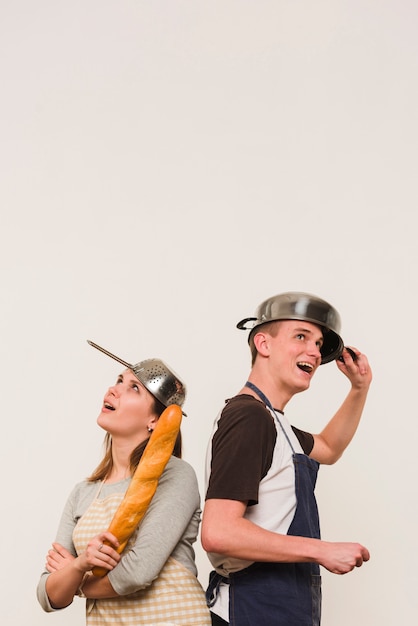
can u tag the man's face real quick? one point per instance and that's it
(295, 353)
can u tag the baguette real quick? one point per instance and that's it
(145, 479)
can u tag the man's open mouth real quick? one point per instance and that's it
(305, 367)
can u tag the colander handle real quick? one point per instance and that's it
(94, 345)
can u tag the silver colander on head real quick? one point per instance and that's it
(156, 376)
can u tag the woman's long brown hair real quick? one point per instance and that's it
(106, 464)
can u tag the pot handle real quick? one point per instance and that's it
(242, 325)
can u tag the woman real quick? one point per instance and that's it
(154, 580)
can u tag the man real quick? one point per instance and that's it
(260, 523)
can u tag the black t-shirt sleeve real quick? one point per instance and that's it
(305, 439)
(242, 450)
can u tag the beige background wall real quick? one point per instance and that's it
(165, 166)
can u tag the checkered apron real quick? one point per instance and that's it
(175, 598)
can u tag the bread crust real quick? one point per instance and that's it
(144, 482)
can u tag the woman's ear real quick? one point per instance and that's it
(152, 422)
(261, 342)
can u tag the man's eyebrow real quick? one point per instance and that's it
(307, 330)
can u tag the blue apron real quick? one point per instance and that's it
(279, 594)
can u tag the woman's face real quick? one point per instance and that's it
(128, 409)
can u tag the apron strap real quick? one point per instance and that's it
(267, 402)
(212, 591)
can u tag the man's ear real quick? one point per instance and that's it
(261, 342)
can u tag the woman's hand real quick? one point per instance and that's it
(100, 552)
(58, 557)
(68, 572)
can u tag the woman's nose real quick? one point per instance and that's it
(115, 390)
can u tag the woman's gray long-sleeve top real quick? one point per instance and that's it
(169, 528)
